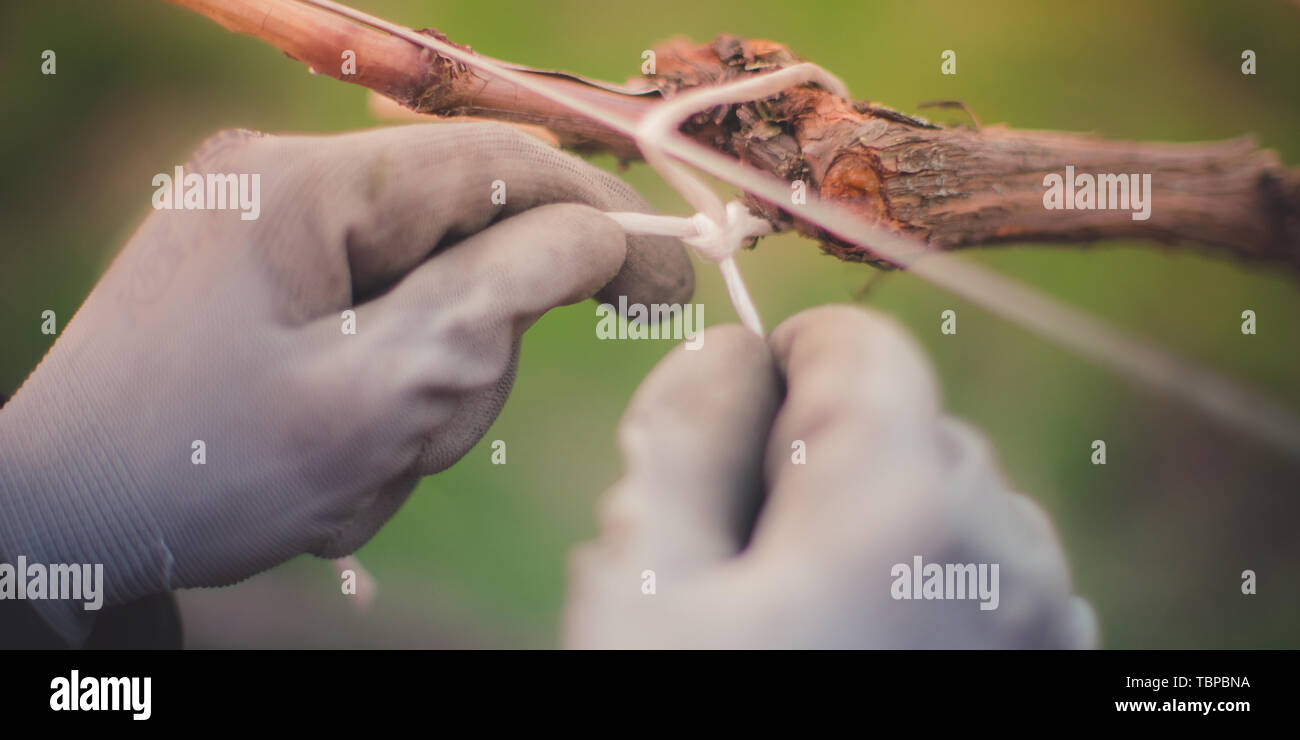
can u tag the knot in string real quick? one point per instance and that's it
(716, 242)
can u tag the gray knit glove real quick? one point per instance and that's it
(230, 331)
(771, 495)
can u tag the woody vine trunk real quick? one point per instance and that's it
(950, 187)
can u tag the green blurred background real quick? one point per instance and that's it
(1158, 537)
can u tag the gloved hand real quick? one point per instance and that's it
(752, 549)
(230, 331)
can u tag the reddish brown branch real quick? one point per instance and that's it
(951, 187)
(415, 77)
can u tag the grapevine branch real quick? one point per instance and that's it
(949, 187)
(728, 136)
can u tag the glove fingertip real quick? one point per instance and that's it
(656, 270)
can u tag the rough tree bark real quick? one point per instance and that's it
(951, 187)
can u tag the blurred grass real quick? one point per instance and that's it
(1157, 538)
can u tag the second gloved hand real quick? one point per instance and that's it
(775, 494)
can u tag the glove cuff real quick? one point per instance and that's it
(70, 514)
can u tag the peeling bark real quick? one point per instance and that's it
(961, 186)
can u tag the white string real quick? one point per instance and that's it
(715, 243)
(721, 230)
(1129, 356)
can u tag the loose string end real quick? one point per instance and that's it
(740, 299)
